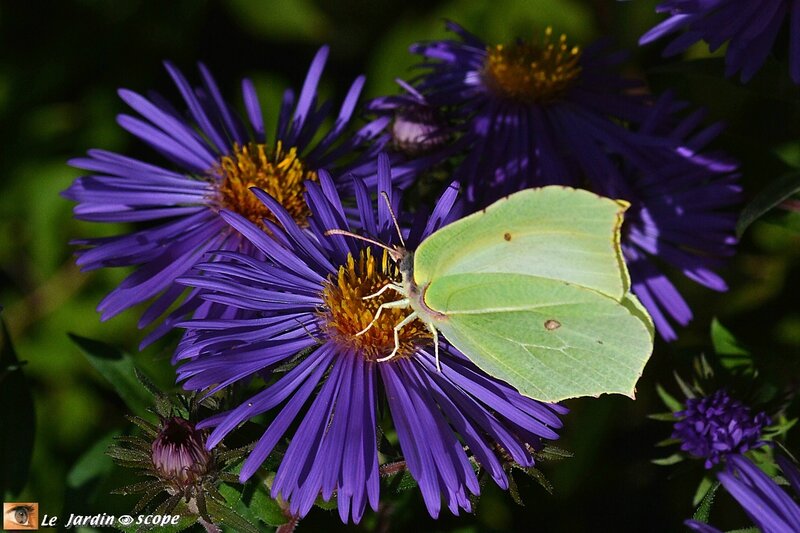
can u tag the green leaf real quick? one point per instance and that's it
(223, 514)
(91, 479)
(540, 478)
(667, 461)
(730, 351)
(261, 506)
(770, 196)
(163, 406)
(513, 491)
(119, 370)
(686, 389)
(252, 502)
(670, 401)
(663, 417)
(780, 428)
(704, 509)
(701, 490)
(553, 453)
(403, 481)
(94, 463)
(17, 419)
(329, 505)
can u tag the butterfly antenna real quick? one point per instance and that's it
(361, 238)
(394, 218)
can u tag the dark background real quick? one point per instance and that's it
(60, 65)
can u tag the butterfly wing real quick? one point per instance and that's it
(552, 232)
(549, 339)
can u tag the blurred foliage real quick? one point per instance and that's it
(60, 66)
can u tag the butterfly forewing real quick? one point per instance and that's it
(553, 232)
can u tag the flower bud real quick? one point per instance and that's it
(179, 454)
(417, 130)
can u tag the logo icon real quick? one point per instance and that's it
(125, 520)
(20, 516)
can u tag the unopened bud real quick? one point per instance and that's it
(179, 454)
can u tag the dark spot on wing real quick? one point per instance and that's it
(507, 236)
(599, 341)
(551, 324)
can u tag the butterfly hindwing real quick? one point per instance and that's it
(549, 339)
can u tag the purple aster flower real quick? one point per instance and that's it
(717, 426)
(766, 503)
(213, 159)
(750, 28)
(309, 297)
(531, 113)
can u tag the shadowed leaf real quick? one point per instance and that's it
(770, 197)
(17, 419)
(118, 368)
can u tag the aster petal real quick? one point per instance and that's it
(305, 375)
(196, 109)
(165, 144)
(253, 107)
(694, 525)
(418, 458)
(763, 501)
(308, 93)
(345, 114)
(170, 125)
(233, 125)
(790, 471)
(266, 245)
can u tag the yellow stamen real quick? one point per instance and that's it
(528, 72)
(347, 313)
(280, 173)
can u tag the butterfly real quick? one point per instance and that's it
(533, 290)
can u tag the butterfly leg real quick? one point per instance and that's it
(397, 304)
(407, 320)
(435, 333)
(394, 286)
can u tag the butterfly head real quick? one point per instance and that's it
(405, 261)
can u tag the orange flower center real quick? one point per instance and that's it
(279, 173)
(532, 73)
(347, 312)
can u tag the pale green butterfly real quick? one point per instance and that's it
(534, 291)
